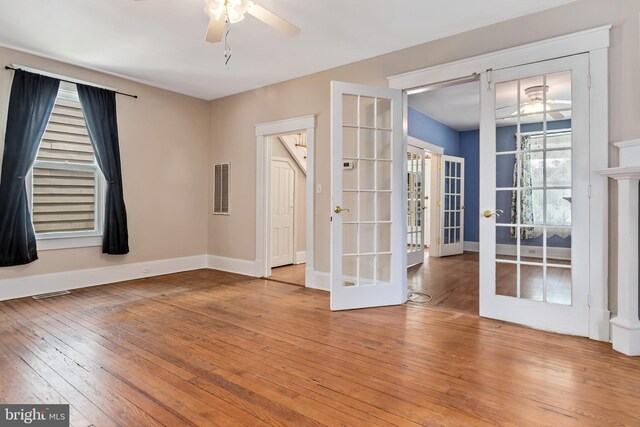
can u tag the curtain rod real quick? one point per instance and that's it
(7, 67)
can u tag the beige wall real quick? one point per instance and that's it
(279, 150)
(233, 118)
(164, 139)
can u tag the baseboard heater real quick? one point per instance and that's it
(51, 295)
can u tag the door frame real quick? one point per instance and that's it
(421, 151)
(436, 153)
(289, 162)
(265, 135)
(596, 43)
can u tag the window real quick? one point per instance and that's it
(221, 188)
(551, 171)
(66, 183)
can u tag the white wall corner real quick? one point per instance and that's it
(44, 283)
(234, 265)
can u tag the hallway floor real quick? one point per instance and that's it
(451, 281)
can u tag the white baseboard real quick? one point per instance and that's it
(533, 251)
(44, 283)
(471, 247)
(300, 257)
(321, 280)
(528, 251)
(234, 265)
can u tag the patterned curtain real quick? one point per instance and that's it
(523, 179)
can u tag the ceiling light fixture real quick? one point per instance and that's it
(232, 10)
(539, 103)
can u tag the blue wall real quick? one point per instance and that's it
(470, 151)
(427, 129)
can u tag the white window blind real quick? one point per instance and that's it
(221, 188)
(65, 177)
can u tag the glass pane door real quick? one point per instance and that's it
(452, 220)
(415, 206)
(533, 188)
(368, 250)
(534, 174)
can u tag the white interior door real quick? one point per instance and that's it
(451, 238)
(368, 239)
(427, 200)
(415, 205)
(282, 213)
(534, 173)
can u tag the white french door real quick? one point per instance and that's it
(282, 213)
(451, 239)
(368, 166)
(534, 199)
(416, 206)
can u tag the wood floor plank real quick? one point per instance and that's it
(212, 348)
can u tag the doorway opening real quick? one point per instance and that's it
(285, 200)
(443, 192)
(287, 208)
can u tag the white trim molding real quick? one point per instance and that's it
(470, 246)
(300, 257)
(419, 143)
(264, 137)
(569, 44)
(21, 287)
(233, 265)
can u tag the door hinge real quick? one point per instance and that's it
(589, 190)
(588, 300)
(438, 241)
(589, 81)
(440, 165)
(439, 203)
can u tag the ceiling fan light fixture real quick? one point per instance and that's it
(233, 10)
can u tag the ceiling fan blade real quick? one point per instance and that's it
(215, 30)
(273, 20)
(507, 106)
(556, 115)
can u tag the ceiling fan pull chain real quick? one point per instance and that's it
(227, 47)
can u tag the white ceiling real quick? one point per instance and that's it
(161, 42)
(458, 106)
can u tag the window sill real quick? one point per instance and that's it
(49, 243)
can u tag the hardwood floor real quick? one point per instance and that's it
(293, 274)
(210, 348)
(451, 281)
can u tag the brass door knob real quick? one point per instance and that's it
(338, 209)
(489, 214)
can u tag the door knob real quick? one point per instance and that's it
(338, 209)
(489, 214)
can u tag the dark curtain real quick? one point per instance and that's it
(99, 107)
(30, 105)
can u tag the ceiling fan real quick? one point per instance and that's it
(227, 12)
(536, 102)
